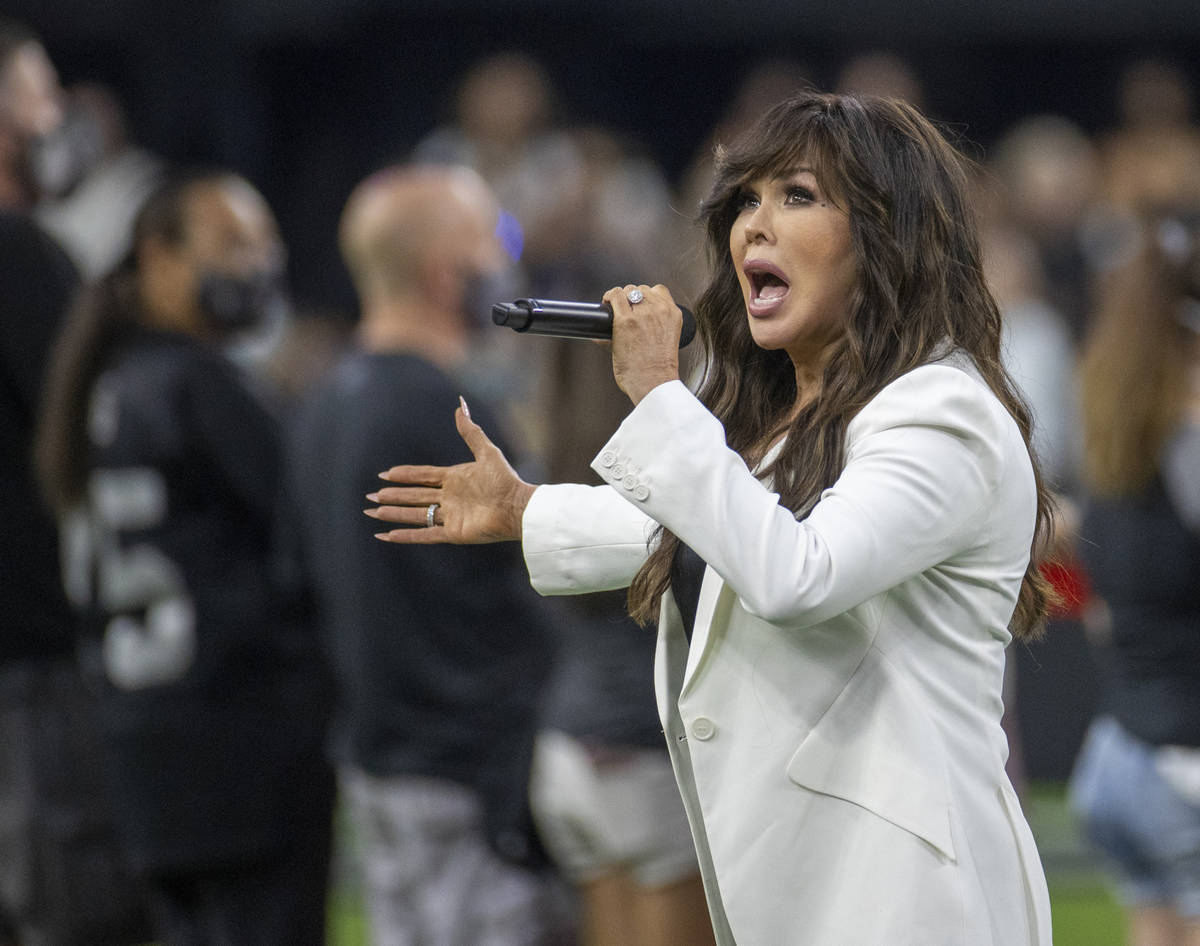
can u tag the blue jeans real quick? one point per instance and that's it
(1148, 833)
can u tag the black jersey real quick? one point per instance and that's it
(213, 688)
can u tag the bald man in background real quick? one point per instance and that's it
(441, 653)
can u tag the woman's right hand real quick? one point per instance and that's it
(477, 502)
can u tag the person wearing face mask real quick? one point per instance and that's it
(441, 660)
(161, 462)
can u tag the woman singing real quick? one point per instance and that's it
(834, 535)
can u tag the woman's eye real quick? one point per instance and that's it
(798, 194)
(746, 201)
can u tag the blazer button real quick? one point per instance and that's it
(607, 459)
(703, 728)
(641, 492)
(630, 481)
(618, 471)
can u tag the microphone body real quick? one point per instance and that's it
(570, 319)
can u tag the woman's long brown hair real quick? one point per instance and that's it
(1133, 374)
(920, 290)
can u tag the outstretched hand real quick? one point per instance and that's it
(476, 502)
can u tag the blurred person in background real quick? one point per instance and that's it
(881, 73)
(1155, 132)
(441, 659)
(164, 465)
(505, 126)
(1048, 171)
(96, 178)
(1136, 784)
(1039, 351)
(62, 879)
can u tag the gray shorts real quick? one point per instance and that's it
(620, 810)
(431, 877)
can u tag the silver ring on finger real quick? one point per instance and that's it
(429, 511)
(635, 296)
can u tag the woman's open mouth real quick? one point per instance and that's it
(768, 287)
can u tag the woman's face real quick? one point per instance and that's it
(792, 252)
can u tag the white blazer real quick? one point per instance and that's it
(835, 724)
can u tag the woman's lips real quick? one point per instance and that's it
(768, 287)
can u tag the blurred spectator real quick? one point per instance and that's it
(442, 653)
(1038, 351)
(504, 129)
(96, 179)
(1136, 785)
(884, 74)
(212, 693)
(1153, 94)
(1147, 161)
(618, 233)
(62, 880)
(1047, 169)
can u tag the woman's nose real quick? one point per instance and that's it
(758, 226)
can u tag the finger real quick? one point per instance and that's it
(618, 300)
(400, 515)
(406, 496)
(472, 434)
(415, 475)
(430, 536)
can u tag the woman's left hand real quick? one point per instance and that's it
(645, 345)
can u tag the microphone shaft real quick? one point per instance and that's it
(569, 319)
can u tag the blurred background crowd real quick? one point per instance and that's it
(593, 135)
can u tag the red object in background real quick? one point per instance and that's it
(1072, 585)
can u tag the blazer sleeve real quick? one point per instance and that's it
(578, 539)
(923, 459)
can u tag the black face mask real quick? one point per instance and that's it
(482, 290)
(233, 303)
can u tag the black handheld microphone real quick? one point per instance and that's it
(570, 319)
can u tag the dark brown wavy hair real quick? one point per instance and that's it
(1134, 370)
(920, 290)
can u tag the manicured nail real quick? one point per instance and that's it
(384, 474)
(383, 536)
(373, 513)
(466, 410)
(374, 497)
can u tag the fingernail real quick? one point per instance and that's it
(466, 410)
(384, 474)
(383, 536)
(373, 513)
(374, 497)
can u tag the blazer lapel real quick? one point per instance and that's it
(714, 606)
(712, 617)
